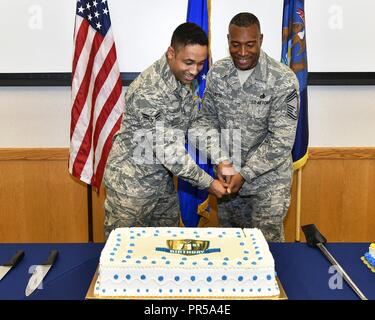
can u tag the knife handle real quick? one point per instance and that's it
(15, 259)
(51, 258)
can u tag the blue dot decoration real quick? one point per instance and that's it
(177, 278)
(144, 258)
(128, 277)
(224, 278)
(255, 278)
(242, 244)
(192, 278)
(209, 279)
(160, 278)
(240, 278)
(269, 277)
(130, 251)
(143, 277)
(115, 276)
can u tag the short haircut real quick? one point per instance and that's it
(244, 19)
(188, 33)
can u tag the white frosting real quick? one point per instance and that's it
(138, 262)
(371, 250)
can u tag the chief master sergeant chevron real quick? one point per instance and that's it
(258, 95)
(142, 194)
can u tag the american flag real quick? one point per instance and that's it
(97, 102)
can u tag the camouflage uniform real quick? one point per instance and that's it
(143, 194)
(265, 109)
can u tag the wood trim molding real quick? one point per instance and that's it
(343, 153)
(60, 154)
(34, 154)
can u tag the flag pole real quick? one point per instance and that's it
(298, 209)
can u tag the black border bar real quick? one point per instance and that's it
(341, 78)
(55, 79)
(64, 78)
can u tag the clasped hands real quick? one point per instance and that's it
(228, 181)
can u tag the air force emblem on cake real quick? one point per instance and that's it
(188, 247)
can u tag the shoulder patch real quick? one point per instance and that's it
(292, 105)
(152, 118)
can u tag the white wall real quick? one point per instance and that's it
(339, 33)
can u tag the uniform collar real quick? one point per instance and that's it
(259, 74)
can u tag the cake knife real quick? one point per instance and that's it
(315, 239)
(40, 272)
(7, 266)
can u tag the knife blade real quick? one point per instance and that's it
(7, 266)
(40, 272)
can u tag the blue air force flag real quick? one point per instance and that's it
(294, 55)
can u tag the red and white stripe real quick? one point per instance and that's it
(97, 103)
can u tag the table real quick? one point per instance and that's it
(303, 271)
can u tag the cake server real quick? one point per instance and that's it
(40, 272)
(315, 239)
(7, 266)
